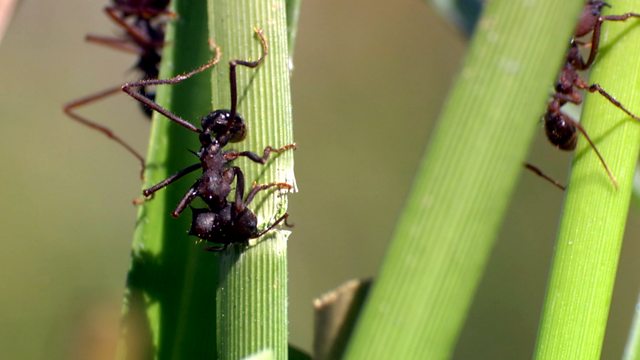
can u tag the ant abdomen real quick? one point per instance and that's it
(208, 225)
(560, 132)
(246, 225)
(225, 226)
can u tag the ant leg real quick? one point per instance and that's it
(238, 203)
(539, 172)
(186, 200)
(217, 248)
(69, 110)
(250, 64)
(574, 97)
(113, 43)
(281, 219)
(174, 80)
(568, 119)
(145, 12)
(596, 87)
(132, 31)
(232, 155)
(257, 188)
(595, 38)
(171, 179)
(287, 224)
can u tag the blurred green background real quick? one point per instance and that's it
(368, 83)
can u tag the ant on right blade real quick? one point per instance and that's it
(560, 128)
(221, 222)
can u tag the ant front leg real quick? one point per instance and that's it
(250, 64)
(595, 38)
(69, 109)
(232, 155)
(128, 88)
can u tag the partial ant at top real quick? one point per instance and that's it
(143, 36)
(221, 222)
(560, 128)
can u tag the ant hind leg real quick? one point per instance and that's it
(70, 110)
(534, 169)
(281, 219)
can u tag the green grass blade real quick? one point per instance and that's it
(632, 348)
(336, 314)
(169, 310)
(464, 14)
(293, 15)
(252, 297)
(588, 246)
(445, 235)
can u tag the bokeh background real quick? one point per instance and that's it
(369, 80)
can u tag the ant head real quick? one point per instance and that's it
(589, 17)
(598, 5)
(220, 124)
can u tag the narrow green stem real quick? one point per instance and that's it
(293, 14)
(632, 348)
(252, 297)
(590, 236)
(420, 299)
(170, 286)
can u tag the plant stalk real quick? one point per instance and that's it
(444, 238)
(252, 297)
(590, 236)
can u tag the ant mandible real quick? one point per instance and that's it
(226, 223)
(560, 128)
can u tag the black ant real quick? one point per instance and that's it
(234, 223)
(560, 128)
(143, 36)
(223, 222)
